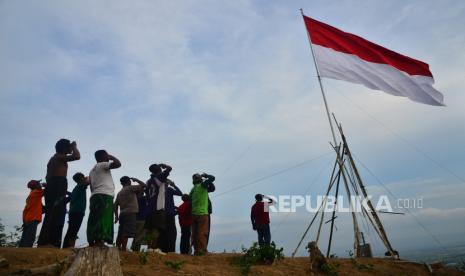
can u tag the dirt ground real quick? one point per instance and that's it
(214, 264)
(221, 264)
(24, 258)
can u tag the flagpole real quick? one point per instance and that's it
(320, 82)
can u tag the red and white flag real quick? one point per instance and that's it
(345, 56)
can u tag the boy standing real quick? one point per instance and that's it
(32, 214)
(77, 209)
(260, 217)
(100, 223)
(185, 221)
(55, 192)
(199, 202)
(127, 201)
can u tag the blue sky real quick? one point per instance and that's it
(229, 87)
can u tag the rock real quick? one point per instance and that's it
(3, 263)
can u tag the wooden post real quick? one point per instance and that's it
(334, 214)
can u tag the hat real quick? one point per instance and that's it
(31, 184)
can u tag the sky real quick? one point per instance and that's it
(229, 88)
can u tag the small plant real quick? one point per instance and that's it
(177, 265)
(143, 257)
(333, 256)
(356, 264)
(256, 254)
(328, 269)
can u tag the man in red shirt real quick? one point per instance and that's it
(261, 219)
(185, 221)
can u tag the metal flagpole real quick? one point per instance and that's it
(319, 81)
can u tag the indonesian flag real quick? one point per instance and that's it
(345, 56)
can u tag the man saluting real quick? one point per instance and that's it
(55, 192)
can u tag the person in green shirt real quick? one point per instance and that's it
(77, 209)
(199, 207)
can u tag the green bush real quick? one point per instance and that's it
(329, 269)
(258, 255)
(177, 265)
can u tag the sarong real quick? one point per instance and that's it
(127, 225)
(100, 223)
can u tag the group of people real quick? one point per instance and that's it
(145, 211)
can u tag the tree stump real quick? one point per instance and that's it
(96, 261)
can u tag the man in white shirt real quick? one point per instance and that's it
(100, 223)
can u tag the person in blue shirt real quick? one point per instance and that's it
(77, 209)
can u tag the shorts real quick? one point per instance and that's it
(127, 225)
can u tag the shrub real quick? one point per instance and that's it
(329, 269)
(264, 255)
(177, 265)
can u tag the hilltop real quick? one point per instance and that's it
(215, 264)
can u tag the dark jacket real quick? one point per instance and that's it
(170, 192)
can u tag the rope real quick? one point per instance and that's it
(236, 160)
(272, 175)
(412, 214)
(316, 214)
(404, 140)
(308, 190)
